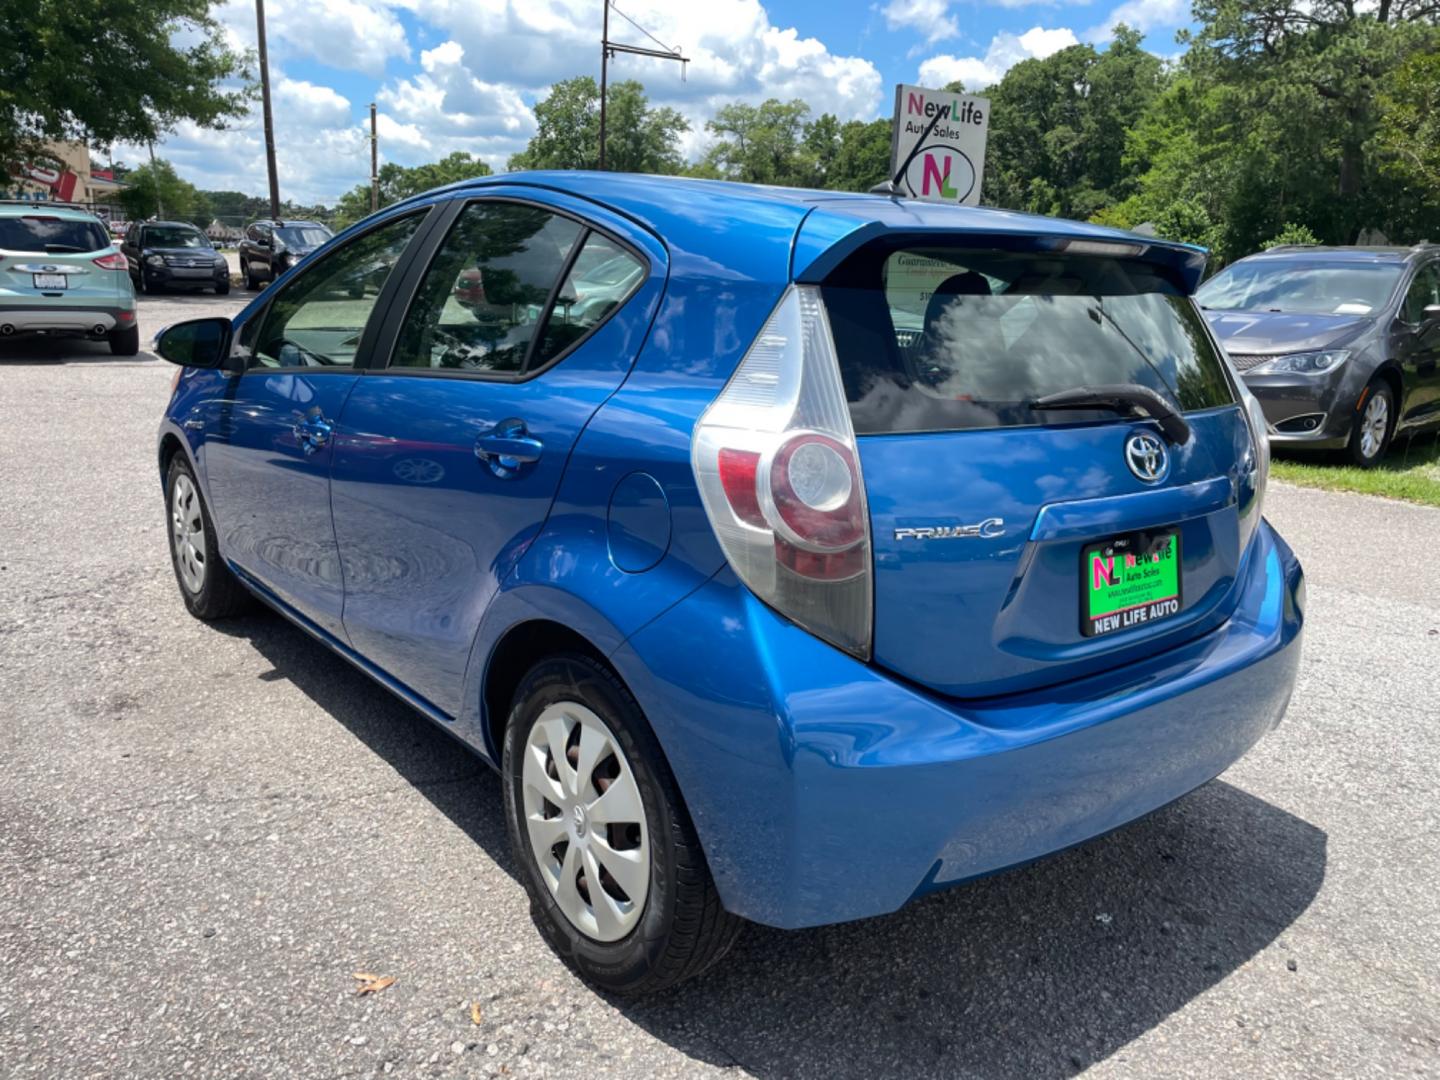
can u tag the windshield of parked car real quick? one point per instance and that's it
(302, 236)
(173, 236)
(48, 234)
(944, 339)
(1301, 287)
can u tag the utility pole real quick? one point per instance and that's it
(374, 176)
(608, 50)
(155, 179)
(265, 106)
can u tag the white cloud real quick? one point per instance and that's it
(475, 90)
(1142, 15)
(445, 108)
(351, 35)
(929, 17)
(1005, 51)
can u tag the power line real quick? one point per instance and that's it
(610, 48)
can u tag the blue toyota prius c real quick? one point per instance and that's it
(791, 554)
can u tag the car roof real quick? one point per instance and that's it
(755, 230)
(172, 224)
(285, 223)
(28, 207)
(1339, 253)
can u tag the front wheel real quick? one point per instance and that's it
(223, 288)
(1370, 437)
(207, 586)
(618, 884)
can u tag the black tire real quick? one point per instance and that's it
(221, 595)
(1378, 395)
(682, 930)
(223, 288)
(249, 276)
(146, 289)
(124, 342)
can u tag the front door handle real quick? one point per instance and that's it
(507, 446)
(313, 433)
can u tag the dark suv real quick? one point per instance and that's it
(1340, 344)
(269, 248)
(173, 254)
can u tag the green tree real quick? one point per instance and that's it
(762, 144)
(638, 137)
(396, 182)
(155, 190)
(863, 157)
(1058, 127)
(1408, 139)
(104, 71)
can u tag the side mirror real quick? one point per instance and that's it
(197, 343)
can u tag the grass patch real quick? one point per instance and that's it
(1410, 472)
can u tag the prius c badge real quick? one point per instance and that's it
(985, 530)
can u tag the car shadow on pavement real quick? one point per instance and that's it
(22, 351)
(1038, 972)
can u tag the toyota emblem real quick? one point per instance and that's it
(1147, 457)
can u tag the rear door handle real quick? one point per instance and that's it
(312, 433)
(507, 446)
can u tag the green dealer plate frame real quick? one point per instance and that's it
(1130, 581)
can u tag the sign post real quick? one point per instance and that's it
(937, 150)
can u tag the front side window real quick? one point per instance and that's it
(945, 339)
(1302, 286)
(485, 294)
(174, 236)
(317, 319)
(1424, 292)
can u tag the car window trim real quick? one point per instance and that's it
(440, 233)
(378, 313)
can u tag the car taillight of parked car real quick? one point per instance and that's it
(113, 261)
(779, 474)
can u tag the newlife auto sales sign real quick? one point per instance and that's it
(937, 151)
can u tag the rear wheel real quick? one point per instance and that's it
(249, 275)
(222, 288)
(1370, 436)
(207, 586)
(124, 342)
(618, 884)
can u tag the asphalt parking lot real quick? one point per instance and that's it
(205, 831)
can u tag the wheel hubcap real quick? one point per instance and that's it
(585, 821)
(1373, 424)
(187, 533)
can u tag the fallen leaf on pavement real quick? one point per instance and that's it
(372, 984)
(475, 1014)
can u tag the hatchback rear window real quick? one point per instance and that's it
(941, 339)
(51, 235)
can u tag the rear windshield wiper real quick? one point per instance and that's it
(62, 249)
(1128, 399)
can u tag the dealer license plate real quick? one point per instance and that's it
(1129, 581)
(51, 281)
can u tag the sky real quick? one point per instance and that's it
(465, 74)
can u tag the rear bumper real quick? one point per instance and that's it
(64, 320)
(825, 790)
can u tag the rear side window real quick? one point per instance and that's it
(941, 339)
(484, 296)
(602, 278)
(46, 234)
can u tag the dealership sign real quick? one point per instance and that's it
(937, 151)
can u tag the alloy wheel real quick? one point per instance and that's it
(187, 533)
(586, 821)
(1373, 424)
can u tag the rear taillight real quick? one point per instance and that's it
(1255, 470)
(779, 474)
(113, 261)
